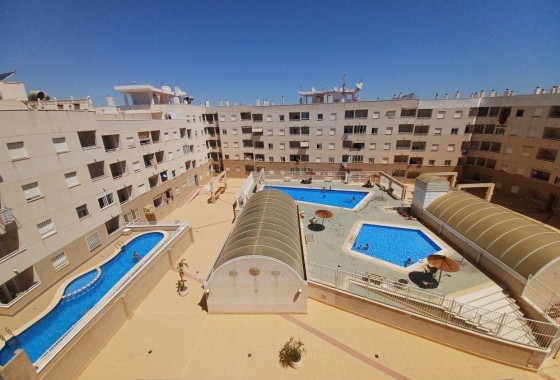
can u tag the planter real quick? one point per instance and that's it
(297, 364)
(183, 292)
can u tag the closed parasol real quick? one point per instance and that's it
(325, 214)
(443, 263)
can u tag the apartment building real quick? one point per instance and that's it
(72, 176)
(515, 143)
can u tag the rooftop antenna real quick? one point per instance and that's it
(343, 82)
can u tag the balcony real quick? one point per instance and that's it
(118, 169)
(551, 134)
(111, 143)
(8, 221)
(547, 155)
(540, 175)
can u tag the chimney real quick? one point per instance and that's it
(446, 96)
(537, 90)
(436, 95)
(457, 95)
(206, 103)
(227, 103)
(554, 90)
(258, 103)
(492, 93)
(482, 93)
(508, 92)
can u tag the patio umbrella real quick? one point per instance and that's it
(325, 214)
(443, 263)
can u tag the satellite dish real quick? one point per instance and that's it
(359, 85)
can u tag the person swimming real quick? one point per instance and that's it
(408, 262)
(135, 257)
(366, 247)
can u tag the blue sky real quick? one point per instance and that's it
(241, 50)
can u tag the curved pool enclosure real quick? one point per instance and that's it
(79, 297)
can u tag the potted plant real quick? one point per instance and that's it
(291, 353)
(181, 286)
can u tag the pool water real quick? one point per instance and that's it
(394, 245)
(336, 198)
(40, 336)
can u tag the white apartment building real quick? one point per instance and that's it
(72, 176)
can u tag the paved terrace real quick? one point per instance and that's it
(170, 337)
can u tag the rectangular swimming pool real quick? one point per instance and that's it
(348, 199)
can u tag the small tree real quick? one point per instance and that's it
(181, 265)
(291, 352)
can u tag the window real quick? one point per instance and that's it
(233, 117)
(372, 146)
(451, 147)
(17, 150)
(458, 114)
(269, 132)
(371, 160)
(46, 228)
(136, 166)
(437, 131)
(222, 118)
(332, 131)
(319, 117)
(112, 225)
(59, 261)
(236, 144)
(440, 115)
(31, 191)
(408, 112)
(87, 139)
(166, 136)
(387, 146)
(319, 132)
(424, 113)
(225, 144)
(234, 131)
(71, 179)
(170, 155)
(519, 112)
(96, 170)
(305, 116)
(331, 146)
(281, 117)
(509, 150)
(282, 132)
(390, 114)
(537, 112)
(269, 118)
(447, 163)
(374, 131)
(130, 141)
(358, 159)
(389, 130)
(319, 146)
(318, 160)
(105, 199)
(270, 146)
(454, 131)
(376, 114)
(82, 211)
(282, 146)
(331, 160)
(431, 162)
(434, 147)
(60, 144)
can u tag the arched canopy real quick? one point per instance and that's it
(268, 226)
(520, 243)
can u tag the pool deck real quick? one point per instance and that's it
(170, 337)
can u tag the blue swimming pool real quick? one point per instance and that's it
(40, 336)
(336, 198)
(393, 244)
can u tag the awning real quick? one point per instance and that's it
(149, 209)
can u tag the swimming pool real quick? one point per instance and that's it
(40, 336)
(336, 198)
(394, 245)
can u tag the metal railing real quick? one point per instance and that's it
(546, 300)
(437, 306)
(57, 346)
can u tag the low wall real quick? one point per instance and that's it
(479, 345)
(75, 356)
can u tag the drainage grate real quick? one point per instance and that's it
(310, 238)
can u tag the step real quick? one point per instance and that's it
(486, 302)
(479, 294)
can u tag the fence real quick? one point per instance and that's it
(437, 306)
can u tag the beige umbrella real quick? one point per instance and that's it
(443, 263)
(325, 214)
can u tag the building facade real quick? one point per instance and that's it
(72, 175)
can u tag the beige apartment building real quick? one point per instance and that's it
(72, 175)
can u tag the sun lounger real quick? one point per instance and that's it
(328, 179)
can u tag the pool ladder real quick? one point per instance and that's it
(9, 333)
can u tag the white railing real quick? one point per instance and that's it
(437, 306)
(542, 297)
(13, 254)
(48, 355)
